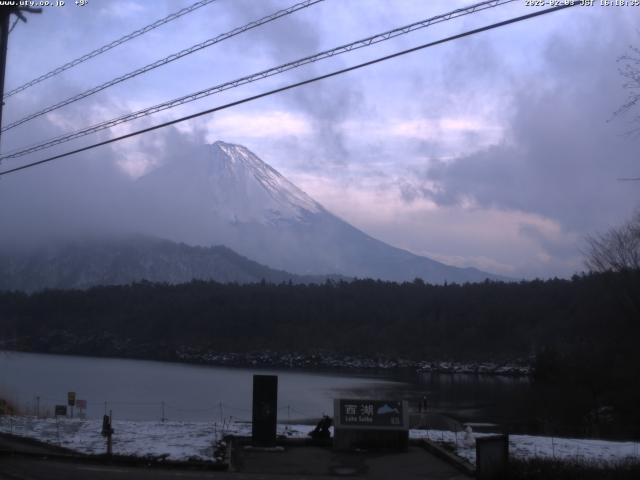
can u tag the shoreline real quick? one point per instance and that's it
(308, 362)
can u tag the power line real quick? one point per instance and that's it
(258, 76)
(163, 61)
(293, 85)
(109, 46)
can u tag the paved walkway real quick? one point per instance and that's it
(39, 462)
(22, 468)
(11, 443)
(314, 462)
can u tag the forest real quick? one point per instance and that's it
(595, 313)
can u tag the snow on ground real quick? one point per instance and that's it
(195, 440)
(175, 440)
(529, 446)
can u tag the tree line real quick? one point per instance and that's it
(482, 321)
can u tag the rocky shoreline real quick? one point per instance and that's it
(110, 346)
(326, 360)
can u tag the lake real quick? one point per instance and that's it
(137, 389)
(147, 390)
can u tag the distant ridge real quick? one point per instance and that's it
(121, 261)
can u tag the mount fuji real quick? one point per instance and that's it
(224, 194)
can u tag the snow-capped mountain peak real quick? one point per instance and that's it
(263, 194)
(224, 194)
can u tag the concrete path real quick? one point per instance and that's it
(21, 468)
(315, 462)
(36, 461)
(13, 443)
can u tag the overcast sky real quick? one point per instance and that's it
(498, 151)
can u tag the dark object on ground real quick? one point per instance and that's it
(321, 432)
(492, 457)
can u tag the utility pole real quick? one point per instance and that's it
(5, 17)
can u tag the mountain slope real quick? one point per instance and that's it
(224, 194)
(119, 261)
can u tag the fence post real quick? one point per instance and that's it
(110, 433)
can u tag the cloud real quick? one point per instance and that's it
(513, 243)
(560, 157)
(70, 198)
(123, 9)
(257, 124)
(461, 134)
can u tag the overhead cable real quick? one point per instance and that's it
(108, 46)
(163, 61)
(291, 86)
(366, 42)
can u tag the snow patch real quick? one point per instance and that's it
(196, 440)
(529, 446)
(171, 440)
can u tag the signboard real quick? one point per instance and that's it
(61, 410)
(71, 399)
(81, 404)
(371, 413)
(370, 424)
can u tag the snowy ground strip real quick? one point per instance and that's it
(196, 440)
(529, 446)
(171, 440)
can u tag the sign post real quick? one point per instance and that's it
(71, 401)
(82, 407)
(371, 424)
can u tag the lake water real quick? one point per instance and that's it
(138, 389)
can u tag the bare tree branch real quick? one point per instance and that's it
(615, 250)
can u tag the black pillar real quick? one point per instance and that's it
(265, 409)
